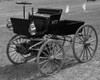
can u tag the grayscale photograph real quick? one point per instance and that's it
(49, 39)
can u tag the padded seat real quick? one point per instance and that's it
(54, 13)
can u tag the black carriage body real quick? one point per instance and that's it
(65, 27)
(47, 21)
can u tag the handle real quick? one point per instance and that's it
(23, 3)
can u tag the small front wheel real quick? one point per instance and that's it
(15, 49)
(50, 58)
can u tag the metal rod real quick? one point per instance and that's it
(32, 11)
(36, 44)
(24, 11)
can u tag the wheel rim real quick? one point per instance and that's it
(12, 52)
(50, 58)
(85, 43)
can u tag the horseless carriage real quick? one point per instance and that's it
(42, 36)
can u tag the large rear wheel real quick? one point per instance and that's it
(85, 43)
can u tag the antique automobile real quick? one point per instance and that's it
(42, 36)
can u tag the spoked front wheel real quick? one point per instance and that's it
(15, 50)
(50, 57)
(85, 43)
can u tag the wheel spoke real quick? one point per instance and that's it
(50, 68)
(90, 32)
(45, 64)
(86, 54)
(81, 53)
(51, 49)
(43, 57)
(91, 48)
(53, 66)
(13, 43)
(80, 38)
(57, 62)
(20, 58)
(82, 35)
(12, 46)
(80, 42)
(43, 61)
(54, 50)
(57, 52)
(89, 52)
(87, 31)
(44, 53)
(59, 56)
(53, 45)
(91, 44)
(13, 54)
(12, 51)
(92, 40)
(18, 41)
(84, 32)
(46, 48)
(15, 57)
(79, 46)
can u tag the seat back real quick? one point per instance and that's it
(54, 13)
(49, 11)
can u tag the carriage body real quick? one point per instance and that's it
(38, 37)
(46, 22)
(63, 27)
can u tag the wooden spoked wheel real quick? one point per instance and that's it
(15, 50)
(85, 43)
(50, 58)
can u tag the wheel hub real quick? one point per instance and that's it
(86, 44)
(20, 49)
(51, 57)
